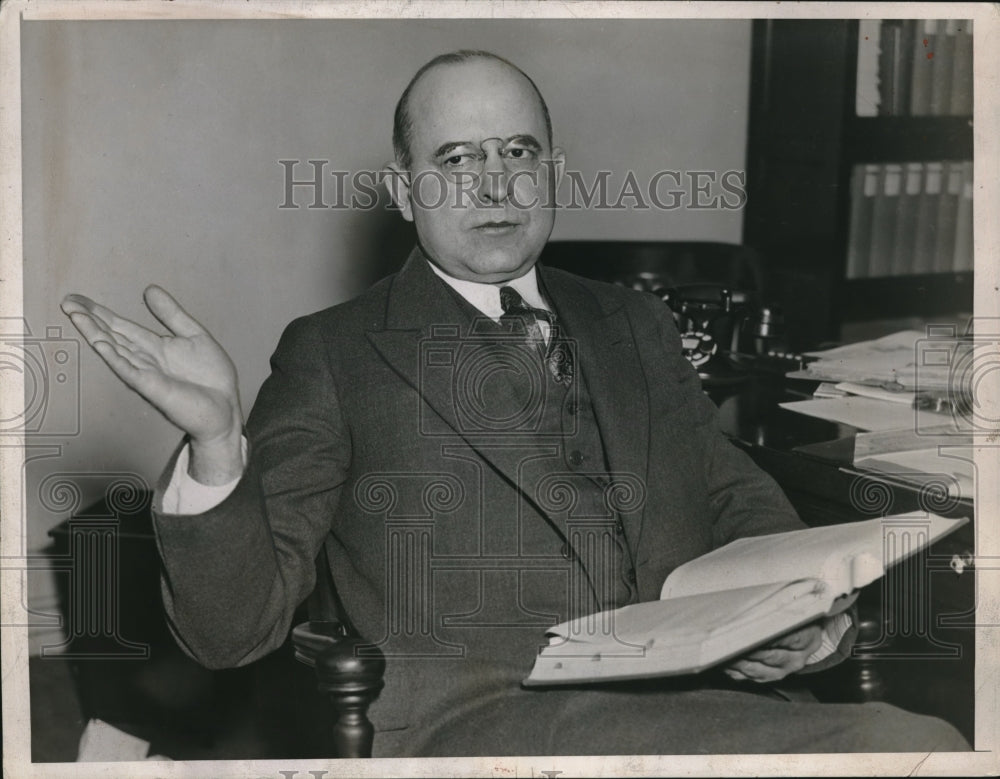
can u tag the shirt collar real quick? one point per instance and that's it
(486, 297)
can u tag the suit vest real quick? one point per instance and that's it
(563, 471)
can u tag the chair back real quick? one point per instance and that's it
(664, 263)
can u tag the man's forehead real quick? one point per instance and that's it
(473, 100)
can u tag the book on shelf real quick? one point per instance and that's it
(942, 66)
(920, 90)
(963, 253)
(910, 219)
(925, 245)
(864, 186)
(961, 74)
(951, 190)
(867, 97)
(905, 240)
(894, 75)
(733, 600)
(885, 214)
(914, 67)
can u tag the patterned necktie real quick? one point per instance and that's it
(558, 358)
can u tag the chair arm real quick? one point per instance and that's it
(351, 680)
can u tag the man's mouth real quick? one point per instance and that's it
(500, 225)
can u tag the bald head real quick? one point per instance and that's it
(402, 129)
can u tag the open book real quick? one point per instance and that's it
(731, 600)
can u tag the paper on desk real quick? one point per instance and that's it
(827, 389)
(920, 458)
(897, 360)
(862, 413)
(886, 346)
(879, 393)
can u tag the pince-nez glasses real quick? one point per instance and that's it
(467, 159)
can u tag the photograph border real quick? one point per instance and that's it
(16, 562)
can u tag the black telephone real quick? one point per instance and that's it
(722, 330)
(718, 326)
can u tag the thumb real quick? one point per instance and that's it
(168, 311)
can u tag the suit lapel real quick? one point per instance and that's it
(607, 359)
(421, 309)
(423, 323)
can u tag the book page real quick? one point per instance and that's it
(845, 556)
(681, 619)
(677, 636)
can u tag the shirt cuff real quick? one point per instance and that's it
(834, 628)
(184, 495)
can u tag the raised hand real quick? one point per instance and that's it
(185, 375)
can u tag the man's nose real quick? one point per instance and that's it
(493, 180)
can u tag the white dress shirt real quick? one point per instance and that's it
(486, 297)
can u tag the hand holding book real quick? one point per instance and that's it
(750, 603)
(779, 658)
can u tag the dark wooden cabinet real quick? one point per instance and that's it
(804, 139)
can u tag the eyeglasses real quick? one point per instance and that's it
(518, 154)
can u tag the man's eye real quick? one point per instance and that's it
(519, 153)
(462, 160)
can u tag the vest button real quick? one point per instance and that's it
(619, 527)
(631, 576)
(576, 457)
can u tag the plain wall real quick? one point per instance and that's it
(151, 154)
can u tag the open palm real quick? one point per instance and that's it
(186, 374)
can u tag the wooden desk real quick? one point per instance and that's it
(917, 643)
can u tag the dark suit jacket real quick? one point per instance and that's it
(355, 445)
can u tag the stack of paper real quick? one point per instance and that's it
(906, 393)
(906, 379)
(936, 459)
(907, 360)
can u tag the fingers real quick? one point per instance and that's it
(160, 303)
(785, 655)
(117, 329)
(170, 314)
(772, 656)
(104, 343)
(101, 328)
(747, 670)
(118, 361)
(90, 327)
(806, 638)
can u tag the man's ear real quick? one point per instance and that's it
(397, 181)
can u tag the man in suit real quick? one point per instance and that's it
(483, 447)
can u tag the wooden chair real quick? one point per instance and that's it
(349, 679)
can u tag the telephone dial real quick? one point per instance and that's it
(723, 331)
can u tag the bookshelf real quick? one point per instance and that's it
(859, 175)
